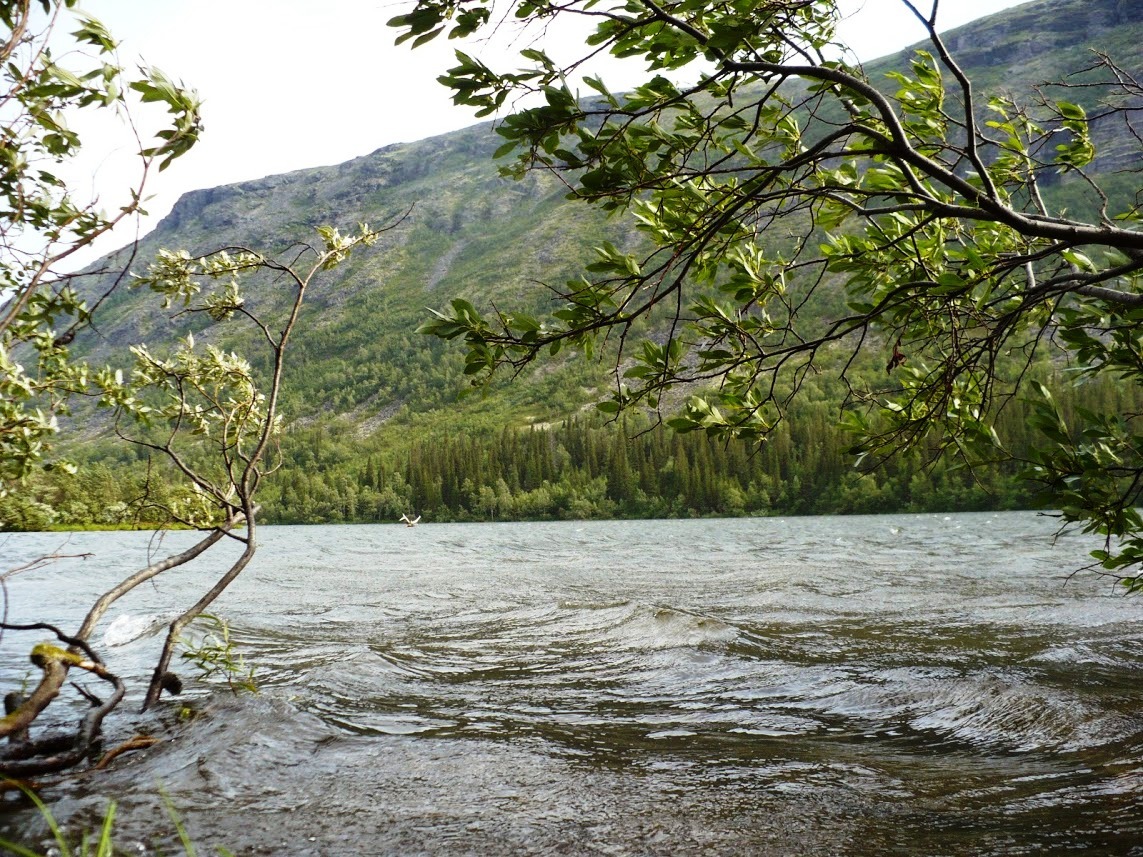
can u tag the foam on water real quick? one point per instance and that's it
(126, 628)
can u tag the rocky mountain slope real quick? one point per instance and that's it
(470, 233)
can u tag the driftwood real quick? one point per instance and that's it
(139, 742)
(23, 757)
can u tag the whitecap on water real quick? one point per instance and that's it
(995, 708)
(127, 628)
(650, 627)
(671, 733)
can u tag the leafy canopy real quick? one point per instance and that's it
(784, 179)
(44, 222)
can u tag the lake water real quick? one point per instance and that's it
(913, 685)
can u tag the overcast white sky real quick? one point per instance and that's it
(289, 84)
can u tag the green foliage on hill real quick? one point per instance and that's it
(475, 468)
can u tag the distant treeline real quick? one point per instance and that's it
(581, 468)
(590, 468)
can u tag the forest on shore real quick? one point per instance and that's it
(581, 468)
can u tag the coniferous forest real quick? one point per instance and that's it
(579, 468)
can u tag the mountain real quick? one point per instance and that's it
(467, 232)
(358, 369)
(1046, 42)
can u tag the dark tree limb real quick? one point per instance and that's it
(57, 753)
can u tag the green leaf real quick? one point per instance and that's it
(1071, 111)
